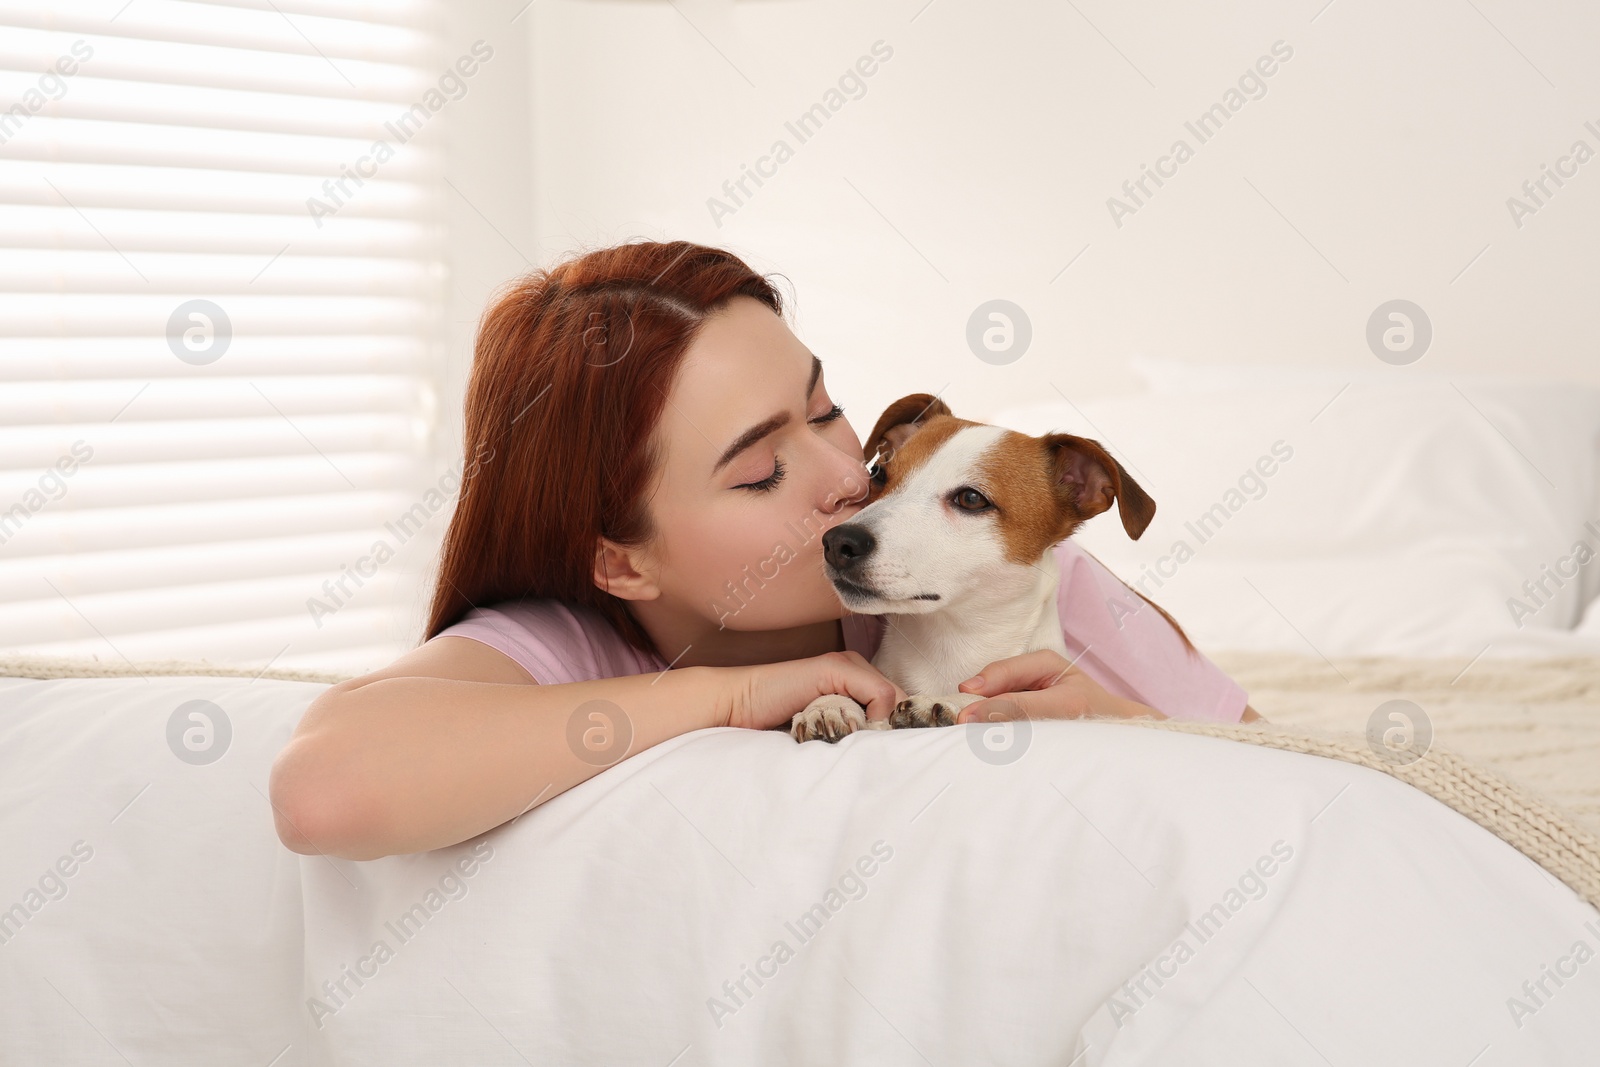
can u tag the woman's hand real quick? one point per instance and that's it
(771, 694)
(1043, 685)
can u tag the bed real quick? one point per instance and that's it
(1083, 893)
(1049, 893)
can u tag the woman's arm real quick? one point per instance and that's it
(454, 739)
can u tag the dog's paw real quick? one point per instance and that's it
(829, 718)
(925, 710)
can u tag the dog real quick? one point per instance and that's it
(954, 546)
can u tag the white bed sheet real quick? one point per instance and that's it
(1018, 900)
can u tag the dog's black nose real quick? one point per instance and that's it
(847, 545)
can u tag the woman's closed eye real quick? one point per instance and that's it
(771, 481)
(832, 413)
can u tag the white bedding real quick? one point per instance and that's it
(1006, 905)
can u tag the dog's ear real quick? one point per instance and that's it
(900, 420)
(1092, 478)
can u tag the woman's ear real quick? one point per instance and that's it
(900, 420)
(625, 573)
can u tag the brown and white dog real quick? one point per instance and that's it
(955, 547)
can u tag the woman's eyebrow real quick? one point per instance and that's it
(766, 426)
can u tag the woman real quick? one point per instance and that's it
(654, 457)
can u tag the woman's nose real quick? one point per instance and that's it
(852, 487)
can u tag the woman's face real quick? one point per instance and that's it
(758, 464)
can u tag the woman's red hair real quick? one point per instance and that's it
(570, 374)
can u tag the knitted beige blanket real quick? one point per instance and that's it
(1535, 722)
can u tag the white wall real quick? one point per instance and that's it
(979, 162)
(486, 214)
(488, 211)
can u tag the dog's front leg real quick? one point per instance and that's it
(924, 710)
(830, 718)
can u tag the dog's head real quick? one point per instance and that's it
(957, 506)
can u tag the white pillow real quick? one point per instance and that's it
(1589, 625)
(1173, 376)
(1391, 519)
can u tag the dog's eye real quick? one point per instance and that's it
(969, 499)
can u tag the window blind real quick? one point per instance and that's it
(220, 325)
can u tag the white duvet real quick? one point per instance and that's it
(1081, 893)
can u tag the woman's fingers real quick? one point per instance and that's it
(1078, 697)
(996, 709)
(867, 686)
(1031, 670)
(771, 694)
(862, 682)
(879, 699)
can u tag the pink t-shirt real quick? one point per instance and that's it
(1111, 633)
